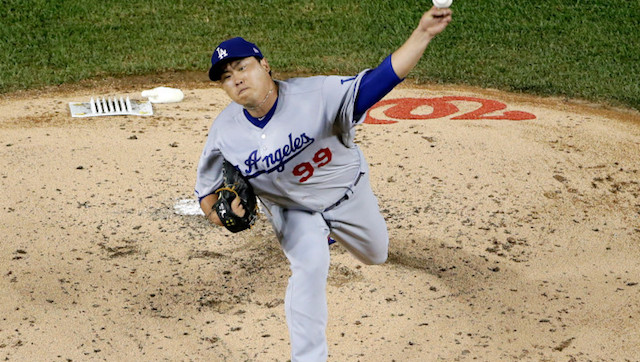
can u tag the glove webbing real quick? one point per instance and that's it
(228, 189)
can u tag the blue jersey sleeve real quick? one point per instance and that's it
(375, 84)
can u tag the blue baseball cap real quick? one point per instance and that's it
(234, 48)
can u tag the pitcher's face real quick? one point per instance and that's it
(247, 81)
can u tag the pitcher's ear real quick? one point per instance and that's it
(265, 64)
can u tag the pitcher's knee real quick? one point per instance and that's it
(310, 265)
(376, 256)
(377, 259)
(316, 269)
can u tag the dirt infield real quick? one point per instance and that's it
(510, 239)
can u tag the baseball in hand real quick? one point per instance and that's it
(442, 4)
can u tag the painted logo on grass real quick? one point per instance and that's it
(441, 107)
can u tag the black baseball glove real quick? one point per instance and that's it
(235, 185)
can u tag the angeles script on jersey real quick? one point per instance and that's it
(304, 158)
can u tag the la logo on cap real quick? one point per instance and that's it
(221, 53)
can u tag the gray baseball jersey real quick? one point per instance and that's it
(304, 158)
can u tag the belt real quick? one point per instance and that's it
(346, 195)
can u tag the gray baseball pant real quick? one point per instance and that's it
(356, 223)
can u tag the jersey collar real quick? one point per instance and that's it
(262, 121)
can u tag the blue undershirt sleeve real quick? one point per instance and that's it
(375, 84)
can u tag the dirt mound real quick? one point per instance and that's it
(514, 226)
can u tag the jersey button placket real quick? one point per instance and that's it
(263, 143)
(263, 146)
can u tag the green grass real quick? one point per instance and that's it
(585, 49)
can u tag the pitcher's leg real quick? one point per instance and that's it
(304, 242)
(359, 226)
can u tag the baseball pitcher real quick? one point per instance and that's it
(291, 143)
